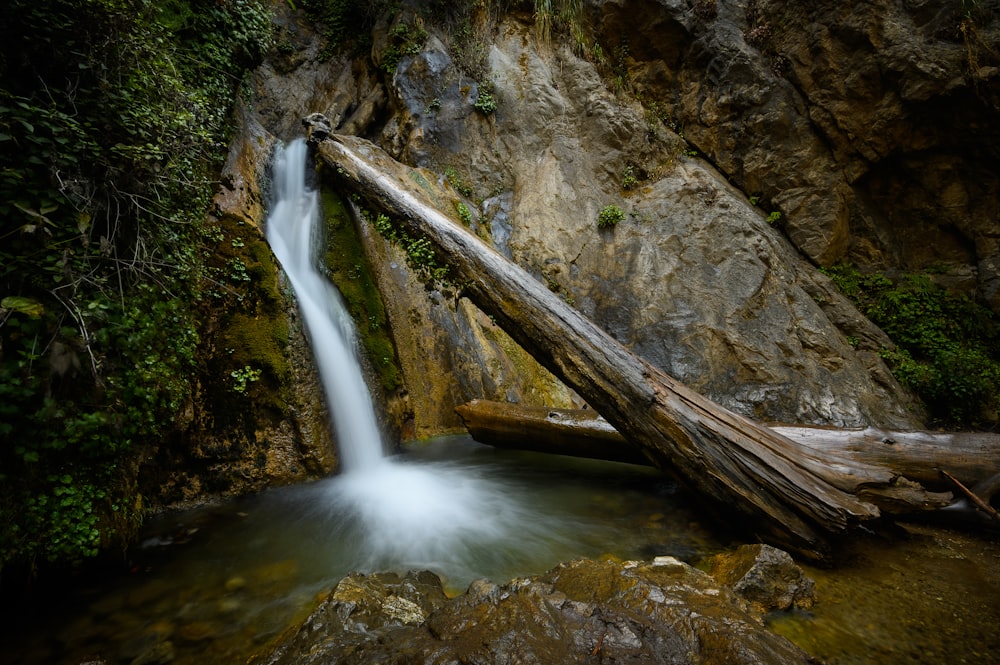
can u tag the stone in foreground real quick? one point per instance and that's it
(585, 611)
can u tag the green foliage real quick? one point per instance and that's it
(556, 15)
(343, 20)
(464, 213)
(403, 41)
(485, 103)
(113, 118)
(609, 217)
(629, 179)
(774, 217)
(622, 77)
(948, 347)
(243, 377)
(456, 181)
(419, 251)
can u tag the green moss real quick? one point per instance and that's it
(258, 343)
(349, 270)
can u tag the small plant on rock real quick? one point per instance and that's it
(464, 213)
(609, 217)
(485, 103)
(629, 179)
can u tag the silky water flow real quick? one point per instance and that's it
(394, 513)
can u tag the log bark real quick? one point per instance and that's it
(796, 496)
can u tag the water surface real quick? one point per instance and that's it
(217, 585)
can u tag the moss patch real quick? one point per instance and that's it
(248, 343)
(349, 270)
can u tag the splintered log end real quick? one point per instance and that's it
(902, 496)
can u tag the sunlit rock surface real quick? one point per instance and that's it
(662, 611)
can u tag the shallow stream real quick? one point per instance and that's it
(218, 585)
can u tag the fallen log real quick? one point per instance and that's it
(970, 457)
(934, 459)
(796, 496)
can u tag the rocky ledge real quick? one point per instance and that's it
(585, 611)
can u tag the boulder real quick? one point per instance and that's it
(586, 611)
(766, 577)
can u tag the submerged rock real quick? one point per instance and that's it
(663, 611)
(766, 577)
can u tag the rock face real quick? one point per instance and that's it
(872, 129)
(865, 134)
(693, 278)
(585, 611)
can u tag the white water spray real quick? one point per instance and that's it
(392, 514)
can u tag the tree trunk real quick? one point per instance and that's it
(971, 458)
(794, 495)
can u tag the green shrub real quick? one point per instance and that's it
(609, 217)
(113, 121)
(948, 347)
(485, 103)
(629, 179)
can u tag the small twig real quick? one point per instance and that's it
(77, 316)
(600, 643)
(973, 497)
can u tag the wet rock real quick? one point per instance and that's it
(766, 577)
(235, 583)
(362, 608)
(198, 631)
(662, 611)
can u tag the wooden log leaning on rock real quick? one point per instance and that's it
(796, 496)
(943, 460)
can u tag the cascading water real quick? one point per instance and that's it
(292, 231)
(390, 513)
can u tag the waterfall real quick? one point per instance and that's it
(390, 513)
(293, 233)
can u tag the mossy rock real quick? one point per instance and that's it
(346, 260)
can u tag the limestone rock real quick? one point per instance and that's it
(766, 577)
(872, 128)
(693, 279)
